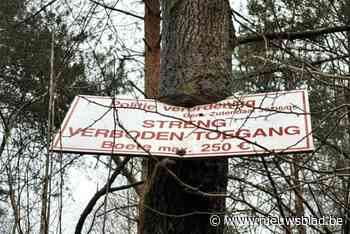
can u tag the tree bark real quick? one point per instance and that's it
(196, 68)
(152, 47)
(196, 53)
(152, 74)
(299, 196)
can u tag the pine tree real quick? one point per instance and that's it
(195, 69)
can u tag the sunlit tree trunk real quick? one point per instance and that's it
(152, 72)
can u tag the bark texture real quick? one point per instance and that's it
(152, 74)
(152, 47)
(170, 208)
(195, 69)
(196, 52)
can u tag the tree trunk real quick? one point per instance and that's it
(195, 69)
(196, 55)
(152, 47)
(152, 74)
(299, 196)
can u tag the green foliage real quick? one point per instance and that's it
(295, 16)
(25, 64)
(285, 15)
(10, 11)
(313, 57)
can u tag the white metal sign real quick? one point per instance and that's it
(246, 125)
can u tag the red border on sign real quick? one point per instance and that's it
(308, 147)
(65, 122)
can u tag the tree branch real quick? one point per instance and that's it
(131, 179)
(118, 10)
(291, 35)
(98, 194)
(36, 13)
(123, 187)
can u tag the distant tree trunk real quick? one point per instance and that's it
(299, 195)
(346, 224)
(195, 69)
(152, 47)
(152, 73)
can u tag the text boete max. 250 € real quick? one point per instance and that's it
(240, 125)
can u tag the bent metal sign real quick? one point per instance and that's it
(265, 123)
